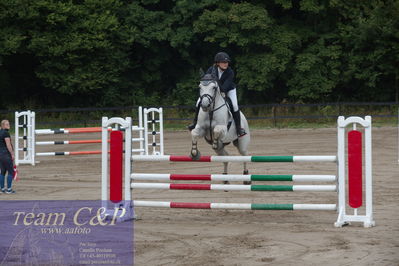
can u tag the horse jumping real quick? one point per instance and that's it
(214, 123)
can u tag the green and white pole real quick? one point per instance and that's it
(235, 206)
(216, 177)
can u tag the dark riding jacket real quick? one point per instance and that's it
(226, 81)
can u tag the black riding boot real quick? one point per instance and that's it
(237, 120)
(192, 126)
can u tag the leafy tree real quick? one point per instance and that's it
(79, 48)
(113, 52)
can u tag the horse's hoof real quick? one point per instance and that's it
(215, 146)
(226, 183)
(247, 182)
(195, 155)
(246, 172)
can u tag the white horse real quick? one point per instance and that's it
(214, 123)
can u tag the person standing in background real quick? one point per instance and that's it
(6, 158)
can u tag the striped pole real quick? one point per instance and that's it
(69, 130)
(62, 142)
(295, 178)
(238, 206)
(175, 158)
(235, 187)
(67, 153)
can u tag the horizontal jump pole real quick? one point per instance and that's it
(137, 128)
(295, 178)
(62, 142)
(236, 206)
(71, 130)
(67, 153)
(235, 187)
(175, 158)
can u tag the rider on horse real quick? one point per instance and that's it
(224, 75)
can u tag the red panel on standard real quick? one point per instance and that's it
(115, 168)
(190, 205)
(177, 158)
(189, 177)
(191, 186)
(355, 168)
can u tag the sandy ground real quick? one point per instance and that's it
(238, 237)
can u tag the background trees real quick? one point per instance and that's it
(113, 52)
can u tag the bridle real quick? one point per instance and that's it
(211, 100)
(209, 97)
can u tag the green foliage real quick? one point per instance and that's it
(81, 49)
(113, 52)
(317, 71)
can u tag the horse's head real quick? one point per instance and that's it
(208, 89)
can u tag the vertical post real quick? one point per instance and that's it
(32, 137)
(141, 133)
(153, 132)
(341, 165)
(104, 161)
(16, 140)
(24, 130)
(145, 132)
(161, 130)
(369, 174)
(128, 157)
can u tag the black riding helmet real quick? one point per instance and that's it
(222, 57)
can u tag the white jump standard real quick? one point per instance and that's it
(352, 161)
(29, 142)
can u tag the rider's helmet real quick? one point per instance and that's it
(222, 57)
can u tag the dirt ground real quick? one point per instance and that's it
(238, 237)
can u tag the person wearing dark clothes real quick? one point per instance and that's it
(6, 158)
(224, 75)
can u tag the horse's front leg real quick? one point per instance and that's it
(245, 171)
(219, 132)
(196, 133)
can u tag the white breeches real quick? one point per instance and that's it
(232, 94)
